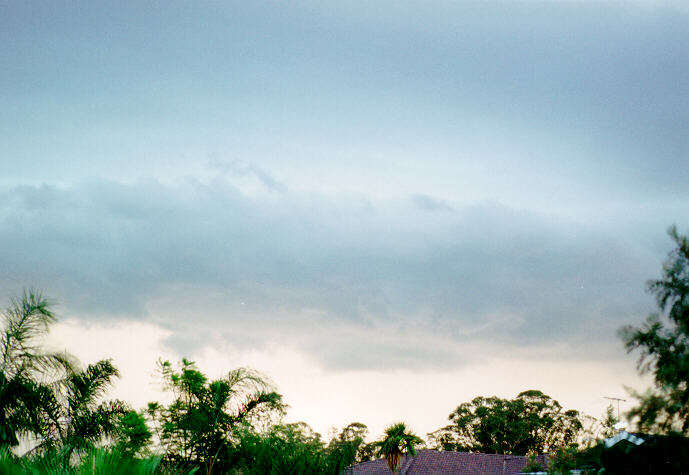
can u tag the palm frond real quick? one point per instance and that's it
(25, 320)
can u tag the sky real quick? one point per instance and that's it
(388, 208)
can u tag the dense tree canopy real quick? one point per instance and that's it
(295, 448)
(532, 423)
(132, 435)
(197, 428)
(353, 439)
(663, 341)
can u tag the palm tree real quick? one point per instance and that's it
(25, 369)
(198, 425)
(397, 442)
(44, 394)
(80, 419)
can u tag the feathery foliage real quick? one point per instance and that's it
(25, 368)
(132, 435)
(80, 420)
(99, 461)
(196, 429)
(663, 341)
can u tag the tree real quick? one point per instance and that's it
(132, 433)
(532, 423)
(25, 369)
(197, 428)
(350, 443)
(45, 394)
(397, 442)
(608, 423)
(284, 448)
(79, 419)
(663, 341)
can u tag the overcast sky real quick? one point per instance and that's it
(434, 200)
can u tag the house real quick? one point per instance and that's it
(436, 462)
(645, 453)
(626, 436)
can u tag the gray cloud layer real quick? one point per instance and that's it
(416, 176)
(305, 266)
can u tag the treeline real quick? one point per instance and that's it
(56, 410)
(53, 410)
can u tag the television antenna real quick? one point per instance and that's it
(617, 400)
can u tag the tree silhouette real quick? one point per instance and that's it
(80, 419)
(664, 344)
(25, 369)
(197, 427)
(532, 423)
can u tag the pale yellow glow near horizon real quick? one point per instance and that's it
(325, 398)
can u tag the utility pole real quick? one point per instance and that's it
(616, 399)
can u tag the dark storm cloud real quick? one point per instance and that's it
(301, 263)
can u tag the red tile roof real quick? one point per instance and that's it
(434, 462)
